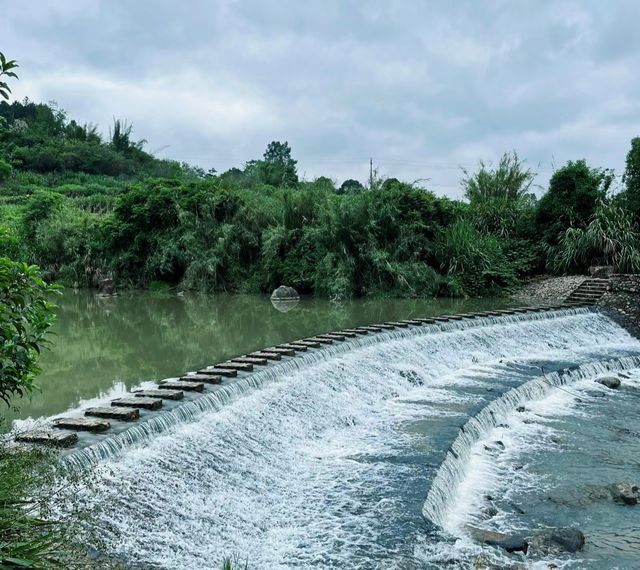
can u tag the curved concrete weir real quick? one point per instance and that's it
(210, 388)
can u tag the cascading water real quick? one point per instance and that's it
(325, 461)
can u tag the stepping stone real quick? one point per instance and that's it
(293, 346)
(242, 366)
(114, 413)
(202, 377)
(283, 351)
(320, 339)
(165, 394)
(144, 403)
(441, 319)
(415, 322)
(371, 328)
(454, 317)
(306, 343)
(185, 385)
(428, 321)
(355, 331)
(347, 333)
(265, 354)
(82, 424)
(44, 437)
(397, 324)
(384, 326)
(250, 360)
(332, 336)
(218, 371)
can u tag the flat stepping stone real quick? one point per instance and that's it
(306, 343)
(45, 437)
(441, 319)
(144, 403)
(219, 371)
(332, 336)
(384, 326)
(321, 340)
(293, 346)
(355, 331)
(250, 360)
(427, 321)
(371, 328)
(185, 385)
(242, 366)
(397, 324)
(114, 413)
(267, 355)
(454, 317)
(82, 424)
(415, 322)
(347, 333)
(283, 351)
(202, 377)
(165, 394)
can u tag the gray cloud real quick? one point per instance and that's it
(422, 87)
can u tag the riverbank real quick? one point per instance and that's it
(621, 301)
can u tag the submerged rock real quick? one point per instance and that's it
(508, 542)
(609, 381)
(625, 493)
(556, 540)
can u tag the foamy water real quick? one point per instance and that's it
(329, 464)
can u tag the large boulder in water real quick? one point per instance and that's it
(285, 293)
(551, 541)
(609, 381)
(626, 493)
(508, 542)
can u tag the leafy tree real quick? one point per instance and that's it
(572, 198)
(350, 186)
(631, 179)
(5, 170)
(26, 314)
(278, 167)
(5, 70)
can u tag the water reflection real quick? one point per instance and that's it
(101, 341)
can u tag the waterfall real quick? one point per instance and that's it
(219, 396)
(323, 460)
(454, 468)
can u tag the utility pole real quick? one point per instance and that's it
(371, 174)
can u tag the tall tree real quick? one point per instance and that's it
(631, 179)
(278, 168)
(574, 193)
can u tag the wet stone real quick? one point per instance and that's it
(82, 424)
(144, 403)
(250, 360)
(218, 371)
(266, 354)
(187, 386)
(610, 382)
(114, 413)
(44, 437)
(202, 377)
(165, 394)
(242, 366)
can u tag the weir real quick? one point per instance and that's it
(454, 468)
(325, 459)
(236, 376)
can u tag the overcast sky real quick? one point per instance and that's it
(421, 87)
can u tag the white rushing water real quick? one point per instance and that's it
(327, 462)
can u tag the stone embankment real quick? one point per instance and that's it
(621, 301)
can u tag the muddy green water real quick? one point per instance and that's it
(100, 343)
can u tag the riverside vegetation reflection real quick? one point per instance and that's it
(99, 342)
